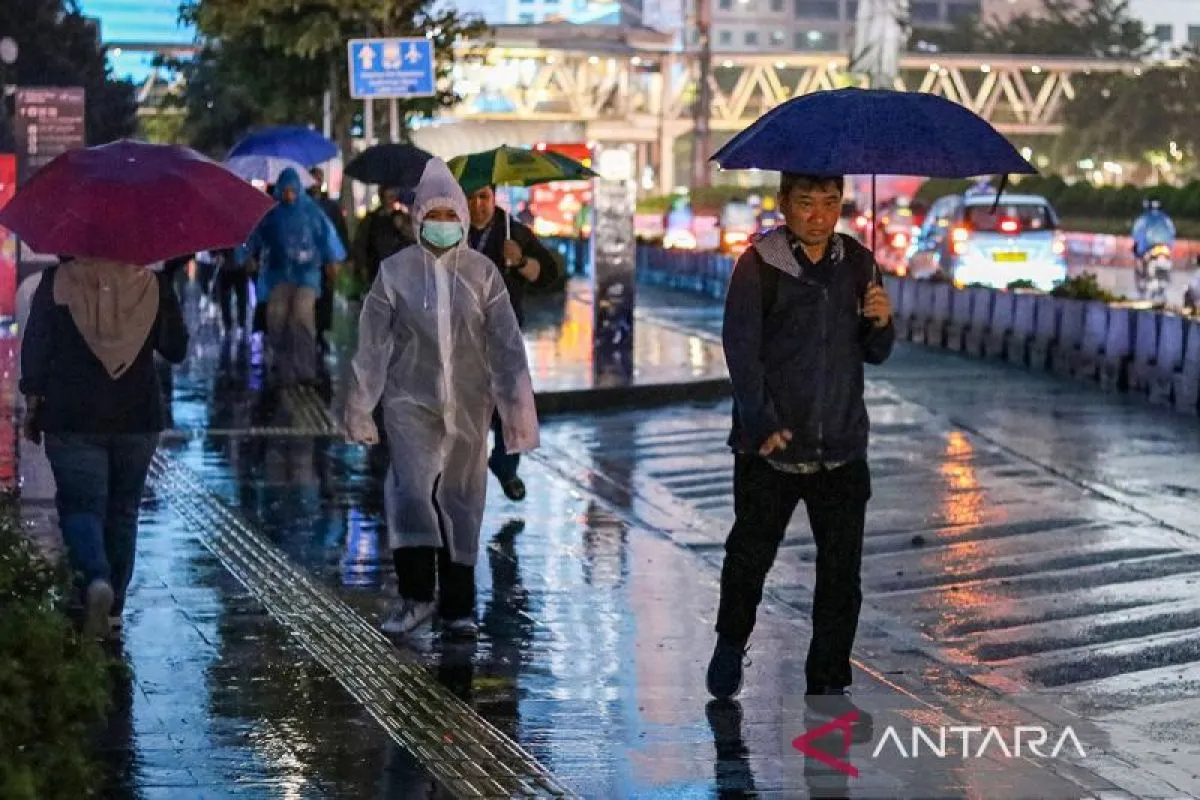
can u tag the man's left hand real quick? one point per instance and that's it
(531, 270)
(878, 307)
(513, 255)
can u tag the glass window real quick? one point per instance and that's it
(963, 11)
(525, 19)
(725, 37)
(924, 11)
(776, 38)
(1164, 33)
(816, 40)
(751, 37)
(1193, 34)
(777, 5)
(817, 9)
(1009, 218)
(725, 5)
(851, 9)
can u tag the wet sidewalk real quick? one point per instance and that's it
(256, 670)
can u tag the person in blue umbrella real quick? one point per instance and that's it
(803, 313)
(294, 246)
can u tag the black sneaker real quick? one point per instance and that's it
(724, 679)
(514, 489)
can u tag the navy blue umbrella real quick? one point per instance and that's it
(873, 131)
(287, 141)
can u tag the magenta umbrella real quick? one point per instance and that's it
(134, 202)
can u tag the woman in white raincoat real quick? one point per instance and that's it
(439, 348)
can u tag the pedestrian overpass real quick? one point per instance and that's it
(606, 83)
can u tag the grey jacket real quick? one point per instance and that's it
(798, 365)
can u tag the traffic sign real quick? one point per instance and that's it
(387, 68)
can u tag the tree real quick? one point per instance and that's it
(307, 38)
(61, 47)
(1091, 29)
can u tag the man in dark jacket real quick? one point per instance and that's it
(803, 314)
(385, 231)
(524, 262)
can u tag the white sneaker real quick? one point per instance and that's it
(464, 627)
(407, 616)
(96, 605)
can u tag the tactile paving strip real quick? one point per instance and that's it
(458, 747)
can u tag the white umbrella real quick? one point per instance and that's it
(266, 169)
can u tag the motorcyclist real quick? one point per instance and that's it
(1153, 228)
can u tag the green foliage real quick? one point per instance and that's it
(61, 47)
(1084, 287)
(54, 688)
(1020, 284)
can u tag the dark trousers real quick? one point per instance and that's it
(233, 285)
(764, 500)
(99, 480)
(502, 463)
(325, 306)
(422, 572)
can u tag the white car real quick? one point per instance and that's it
(975, 240)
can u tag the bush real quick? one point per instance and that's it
(1020, 283)
(1084, 287)
(54, 687)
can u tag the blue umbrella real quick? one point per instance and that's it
(287, 141)
(873, 131)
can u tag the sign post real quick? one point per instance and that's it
(49, 122)
(614, 258)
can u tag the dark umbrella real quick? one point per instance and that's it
(876, 132)
(399, 165)
(287, 141)
(134, 202)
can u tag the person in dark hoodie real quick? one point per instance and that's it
(523, 261)
(324, 307)
(803, 313)
(93, 393)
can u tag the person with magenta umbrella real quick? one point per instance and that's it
(91, 389)
(805, 311)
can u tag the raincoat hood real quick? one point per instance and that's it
(289, 179)
(439, 189)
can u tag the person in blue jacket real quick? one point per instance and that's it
(294, 246)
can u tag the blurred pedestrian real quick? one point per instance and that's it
(803, 314)
(524, 262)
(333, 211)
(295, 249)
(440, 349)
(93, 393)
(233, 290)
(384, 232)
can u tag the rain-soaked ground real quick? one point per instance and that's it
(1030, 556)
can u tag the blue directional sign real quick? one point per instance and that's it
(386, 68)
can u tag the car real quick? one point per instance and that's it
(974, 239)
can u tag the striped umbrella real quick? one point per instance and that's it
(515, 166)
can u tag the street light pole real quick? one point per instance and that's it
(703, 109)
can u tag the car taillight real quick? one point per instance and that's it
(958, 240)
(1009, 226)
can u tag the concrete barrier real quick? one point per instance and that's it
(1025, 305)
(1091, 343)
(1187, 380)
(996, 342)
(1065, 351)
(1118, 349)
(909, 305)
(981, 319)
(1045, 335)
(1168, 360)
(1145, 351)
(923, 312)
(939, 315)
